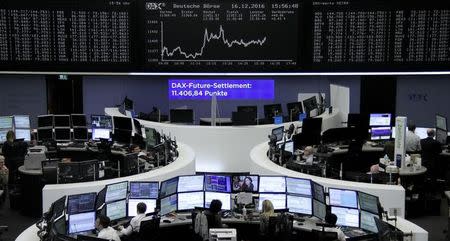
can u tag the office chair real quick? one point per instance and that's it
(324, 236)
(149, 230)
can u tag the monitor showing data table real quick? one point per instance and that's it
(272, 184)
(343, 198)
(368, 221)
(81, 203)
(368, 202)
(22, 121)
(319, 209)
(346, 216)
(217, 183)
(169, 204)
(190, 200)
(278, 200)
(116, 191)
(6, 122)
(116, 210)
(380, 119)
(299, 204)
(225, 198)
(298, 186)
(168, 187)
(81, 222)
(190, 183)
(144, 190)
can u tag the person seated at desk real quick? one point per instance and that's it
(266, 212)
(14, 153)
(430, 152)
(105, 231)
(308, 155)
(331, 219)
(213, 214)
(135, 222)
(412, 140)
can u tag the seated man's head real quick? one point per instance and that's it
(102, 222)
(141, 208)
(331, 218)
(215, 206)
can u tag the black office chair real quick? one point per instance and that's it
(324, 236)
(149, 230)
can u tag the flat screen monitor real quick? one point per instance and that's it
(380, 119)
(22, 122)
(116, 210)
(190, 183)
(277, 120)
(299, 204)
(346, 216)
(289, 146)
(441, 122)
(100, 198)
(81, 203)
(217, 183)
(343, 198)
(168, 187)
(45, 121)
(319, 209)
(272, 110)
(310, 104)
(294, 110)
(169, 204)
(137, 127)
(61, 121)
(368, 202)
(6, 122)
(44, 134)
(59, 225)
(278, 200)
(62, 134)
(278, 132)
(101, 122)
(441, 136)
(144, 190)
(225, 198)
(132, 206)
(272, 184)
(122, 136)
(298, 186)
(368, 221)
(122, 123)
(152, 137)
(98, 134)
(380, 133)
(181, 115)
(23, 134)
(116, 191)
(243, 118)
(81, 222)
(80, 134)
(190, 200)
(128, 104)
(3, 135)
(245, 183)
(58, 207)
(318, 192)
(78, 120)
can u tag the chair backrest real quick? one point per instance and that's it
(149, 229)
(324, 236)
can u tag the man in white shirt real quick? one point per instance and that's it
(331, 218)
(135, 222)
(412, 140)
(104, 230)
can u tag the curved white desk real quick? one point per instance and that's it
(183, 165)
(225, 148)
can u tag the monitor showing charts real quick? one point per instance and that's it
(169, 204)
(278, 200)
(380, 133)
(6, 122)
(346, 216)
(61, 121)
(116, 191)
(23, 134)
(368, 221)
(272, 184)
(244, 183)
(98, 134)
(217, 183)
(380, 119)
(132, 206)
(318, 192)
(298, 186)
(168, 187)
(101, 122)
(22, 122)
(278, 132)
(299, 204)
(441, 136)
(144, 190)
(81, 222)
(441, 122)
(116, 210)
(368, 202)
(45, 121)
(81, 203)
(319, 209)
(343, 198)
(190, 183)
(190, 200)
(225, 198)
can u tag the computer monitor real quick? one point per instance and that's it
(168, 187)
(319, 209)
(289, 147)
(81, 222)
(152, 137)
(78, 120)
(298, 186)
(132, 206)
(3, 134)
(245, 183)
(368, 202)
(80, 134)
(98, 134)
(217, 183)
(58, 207)
(24, 134)
(61, 121)
(243, 118)
(169, 204)
(190, 183)
(122, 136)
(116, 191)
(81, 203)
(380, 133)
(122, 123)
(294, 110)
(343, 198)
(6, 122)
(62, 134)
(318, 192)
(182, 116)
(441, 136)
(368, 221)
(128, 104)
(299, 204)
(441, 122)
(100, 199)
(44, 134)
(278, 200)
(309, 105)
(22, 122)
(144, 190)
(272, 184)
(190, 200)
(116, 210)
(101, 122)
(225, 198)
(346, 216)
(380, 119)
(45, 121)
(278, 132)
(59, 225)
(137, 127)
(272, 110)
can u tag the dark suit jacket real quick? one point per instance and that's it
(430, 150)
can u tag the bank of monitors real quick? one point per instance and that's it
(192, 183)
(81, 222)
(245, 183)
(116, 191)
(278, 200)
(168, 187)
(343, 198)
(278, 132)
(441, 122)
(116, 210)
(78, 120)
(144, 190)
(81, 203)
(45, 121)
(217, 183)
(61, 121)
(190, 200)
(169, 204)
(132, 206)
(272, 184)
(346, 216)
(225, 198)
(298, 186)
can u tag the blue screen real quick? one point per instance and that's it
(217, 183)
(142, 190)
(343, 198)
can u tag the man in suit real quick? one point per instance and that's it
(430, 153)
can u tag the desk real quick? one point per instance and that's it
(32, 185)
